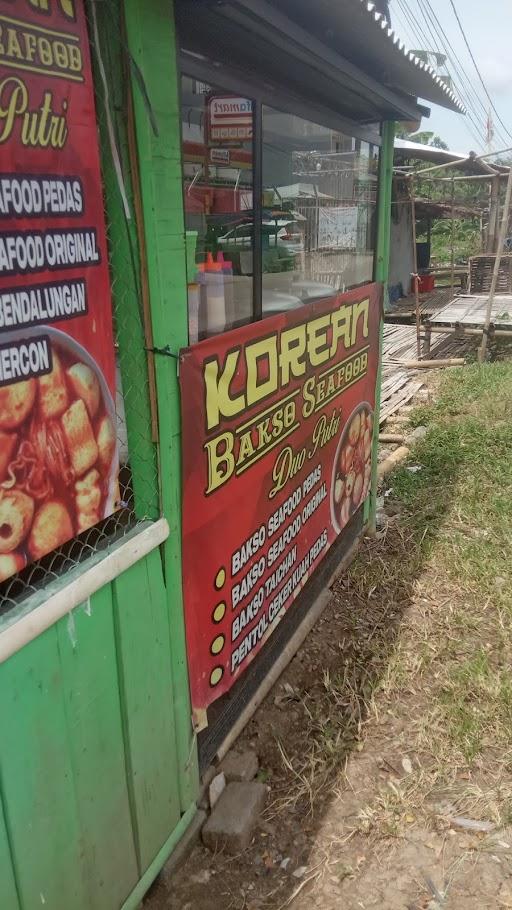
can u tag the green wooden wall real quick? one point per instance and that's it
(88, 754)
(98, 763)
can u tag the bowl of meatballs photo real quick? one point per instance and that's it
(58, 454)
(351, 473)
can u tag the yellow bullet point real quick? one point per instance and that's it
(218, 644)
(220, 579)
(219, 612)
(216, 676)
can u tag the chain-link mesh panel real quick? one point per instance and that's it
(136, 499)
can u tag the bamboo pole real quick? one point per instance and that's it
(492, 154)
(391, 437)
(495, 272)
(392, 461)
(440, 167)
(467, 330)
(431, 364)
(471, 177)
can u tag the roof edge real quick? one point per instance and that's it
(397, 42)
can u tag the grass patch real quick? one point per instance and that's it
(459, 509)
(420, 628)
(454, 652)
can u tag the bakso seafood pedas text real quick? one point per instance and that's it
(57, 449)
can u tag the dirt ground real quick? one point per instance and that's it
(386, 742)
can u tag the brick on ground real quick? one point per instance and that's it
(239, 765)
(234, 818)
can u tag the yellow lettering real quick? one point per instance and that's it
(318, 346)
(30, 47)
(221, 462)
(219, 402)
(288, 463)
(340, 328)
(67, 7)
(45, 52)
(264, 437)
(264, 350)
(13, 45)
(282, 470)
(291, 359)
(246, 449)
(13, 102)
(270, 364)
(75, 58)
(360, 310)
(308, 393)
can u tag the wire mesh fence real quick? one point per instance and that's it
(126, 423)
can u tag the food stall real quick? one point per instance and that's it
(287, 155)
(192, 252)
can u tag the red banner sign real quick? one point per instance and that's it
(58, 452)
(277, 439)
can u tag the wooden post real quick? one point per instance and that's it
(381, 273)
(152, 43)
(415, 277)
(452, 279)
(495, 272)
(427, 339)
(493, 215)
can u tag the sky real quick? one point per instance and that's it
(488, 28)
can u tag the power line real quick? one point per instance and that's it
(416, 28)
(404, 28)
(475, 129)
(470, 91)
(477, 69)
(457, 65)
(421, 37)
(475, 123)
(428, 24)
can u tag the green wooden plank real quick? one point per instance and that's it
(88, 660)
(37, 779)
(381, 274)
(125, 265)
(147, 704)
(8, 893)
(151, 36)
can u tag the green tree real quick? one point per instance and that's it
(425, 137)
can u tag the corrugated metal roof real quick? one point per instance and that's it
(338, 55)
(420, 76)
(404, 148)
(355, 29)
(466, 162)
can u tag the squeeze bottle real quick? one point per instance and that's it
(215, 301)
(229, 289)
